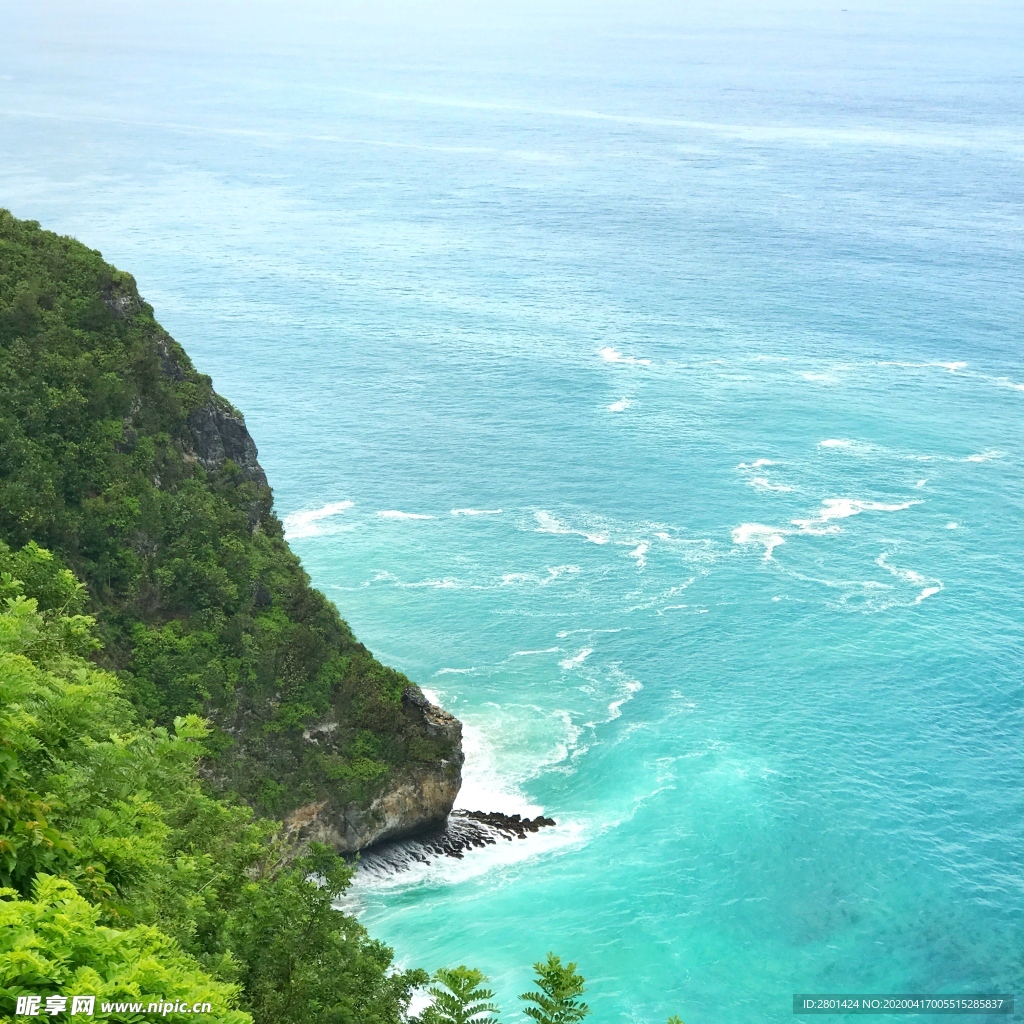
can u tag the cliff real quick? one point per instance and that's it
(120, 457)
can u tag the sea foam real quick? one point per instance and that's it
(762, 483)
(391, 513)
(307, 523)
(576, 660)
(844, 508)
(928, 587)
(757, 533)
(493, 780)
(547, 523)
(640, 554)
(611, 355)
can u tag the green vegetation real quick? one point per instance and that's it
(121, 878)
(557, 1001)
(52, 944)
(161, 652)
(117, 456)
(460, 998)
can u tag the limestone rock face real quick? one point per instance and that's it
(418, 798)
(219, 433)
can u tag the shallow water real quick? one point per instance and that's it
(648, 386)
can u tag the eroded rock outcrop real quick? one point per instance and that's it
(417, 799)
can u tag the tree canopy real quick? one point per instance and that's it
(118, 456)
(121, 876)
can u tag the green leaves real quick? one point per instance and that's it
(305, 962)
(460, 998)
(54, 944)
(115, 861)
(557, 1001)
(200, 604)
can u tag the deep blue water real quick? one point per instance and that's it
(722, 309)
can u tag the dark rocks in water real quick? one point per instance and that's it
(507, 825)
(463, 830)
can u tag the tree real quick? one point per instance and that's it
(676, 1019)
(104, 823)
(462, 1000)
(303, 962)
(118, 457)
(53, 943)
(558, 1001)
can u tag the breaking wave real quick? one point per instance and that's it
(392, 513)
(307, 523)
(611, 355)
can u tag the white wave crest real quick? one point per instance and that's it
(620, 406)
(757, 533)
(307, 522)
(929, 587)
(952, 367)
(843, 508)
(547, 523)
(511, 578)
(986, 456)
(504, 748)
(615, 707)
(640, 553)
(476, 511)
(391, 513)
(557, 571)
(611, 355)
(762, 483)
(576, 660)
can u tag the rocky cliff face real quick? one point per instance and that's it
(219, 434)
(419, 799)
(201, 606)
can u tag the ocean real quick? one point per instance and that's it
(646, 382)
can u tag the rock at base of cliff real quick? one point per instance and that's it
(417, 799)
(461, 832)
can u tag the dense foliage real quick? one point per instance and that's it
(116, 455)
(120, 878)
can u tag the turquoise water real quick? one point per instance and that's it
(714, 317)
